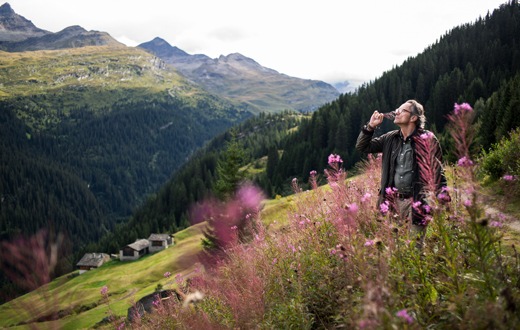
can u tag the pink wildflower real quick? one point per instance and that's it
(495, 224)
(334, 159)
(167, 274)
(369, 242)
(460, 108)
(104, 291)
(353, 208)
(427, 208)
(384, 207)
(426, 136)
(275, 260)
(366, 197)
(509, 177)
(332, 251)
(417, 205)
(313, 173)
(390, 190)
(465, 162)
(404, 315)
(121, 326)
(468, 203)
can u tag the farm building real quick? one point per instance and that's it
(92, 260)
(135, 250)
(159, 242)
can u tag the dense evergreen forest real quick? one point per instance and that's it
(85, 172)
(478, 63)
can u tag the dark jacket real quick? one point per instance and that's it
(389, 145)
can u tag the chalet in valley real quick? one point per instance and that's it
(92, 260)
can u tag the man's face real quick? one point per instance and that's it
(403, 114)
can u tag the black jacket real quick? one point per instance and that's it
(389, 145)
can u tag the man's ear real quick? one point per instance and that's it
(414, 118)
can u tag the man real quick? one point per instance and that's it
(403, 186)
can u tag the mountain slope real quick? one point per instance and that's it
(243, 80)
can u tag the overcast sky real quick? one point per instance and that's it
(329, 40)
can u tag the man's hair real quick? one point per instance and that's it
(418, 110)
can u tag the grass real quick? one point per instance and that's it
(79, 296)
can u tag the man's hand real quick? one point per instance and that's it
(375, 120)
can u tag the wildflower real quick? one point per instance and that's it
(465, 162)
(426, 136)
(497, 224)
(509, 177)
(468, 203)
(427, 208)
(332, 251)
(366, 197)
(334, 159)
(313, 173)
(121, 326)
(384, 207)
(460, 108)
(404, 315)
(353, 207)
(167, 274)
(104, 291)
(234, 227)
(275, 260)
(369, 242)
(390, 190)
(416, 205)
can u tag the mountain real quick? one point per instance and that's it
(14, 27)
(17, 34)
(244, 81)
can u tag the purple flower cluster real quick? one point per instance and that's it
(333, 159)
(465, 162)
(461, 108)
(405, 316)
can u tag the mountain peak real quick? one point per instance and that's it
(6, 9)
(14, 27)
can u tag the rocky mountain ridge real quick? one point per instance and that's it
(242, 79)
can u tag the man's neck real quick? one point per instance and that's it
(407, 130)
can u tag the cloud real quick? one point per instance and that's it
(127, 41)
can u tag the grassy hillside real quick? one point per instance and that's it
(77, 299)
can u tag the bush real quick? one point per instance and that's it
(503, 157)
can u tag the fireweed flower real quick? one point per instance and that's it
(334, 159)
(497, 224)
(405, 316)
(384, 207)
(461, 108)
(426, 136)
(390, 190)
(465, 162)
(509, 177)
(417, 205)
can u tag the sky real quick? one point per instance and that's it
(328, 40)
